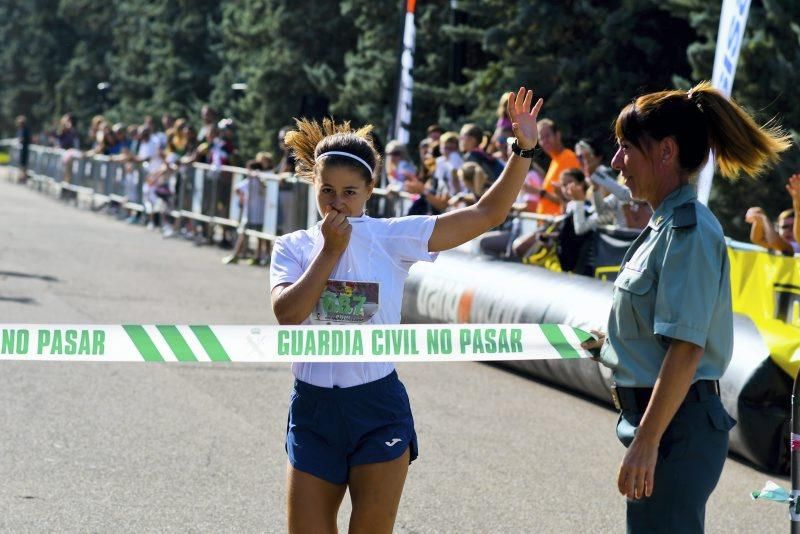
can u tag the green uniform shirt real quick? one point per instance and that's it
(674, 283)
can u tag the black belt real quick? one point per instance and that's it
(637, 399)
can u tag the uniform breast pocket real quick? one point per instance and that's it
(634, 300)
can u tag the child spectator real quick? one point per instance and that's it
(131, 185)
(398, 165)
(252, 193)
(474, 183)
(574, 247)
(448, 163)
(472, 143)
(608, 196)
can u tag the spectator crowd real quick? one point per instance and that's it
(567, 203)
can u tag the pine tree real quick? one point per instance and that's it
(36, 45)
(76, 89)
(285, 51)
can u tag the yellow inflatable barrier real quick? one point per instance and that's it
(766, 288)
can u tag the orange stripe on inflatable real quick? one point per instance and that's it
(465, 306)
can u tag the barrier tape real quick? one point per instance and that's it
(275, 343)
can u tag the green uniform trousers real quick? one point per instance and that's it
(690, 458)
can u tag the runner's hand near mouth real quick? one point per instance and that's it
(336, 231)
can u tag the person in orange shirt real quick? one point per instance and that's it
(561, 159)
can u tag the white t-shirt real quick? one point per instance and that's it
(150, 151)
(378, 257)
(445, 169)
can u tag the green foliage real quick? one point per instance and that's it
(34, 41)
(281, 61)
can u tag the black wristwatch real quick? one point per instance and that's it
(520, 152)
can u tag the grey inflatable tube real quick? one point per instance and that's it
(464, 288)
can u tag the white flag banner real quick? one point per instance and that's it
(732, 22)
(402, 115)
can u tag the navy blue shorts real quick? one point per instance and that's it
(331, 430)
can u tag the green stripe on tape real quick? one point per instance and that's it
(176, 342)
(583, 335)
(553, 334)
(210, 343)
(143, 343)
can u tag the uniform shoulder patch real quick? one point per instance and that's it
(684, 216)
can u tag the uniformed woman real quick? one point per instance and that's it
(670, 331)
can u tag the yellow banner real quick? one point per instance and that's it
(766, 288)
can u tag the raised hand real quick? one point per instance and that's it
(576, 192)
(755, 214)
(523, 118)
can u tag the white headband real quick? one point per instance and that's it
(345, 154)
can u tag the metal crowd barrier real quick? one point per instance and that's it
(204, 193)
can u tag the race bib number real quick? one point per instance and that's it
(347, 303)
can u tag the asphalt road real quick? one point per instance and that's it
(199, 448)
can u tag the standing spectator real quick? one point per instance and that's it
(432, 193)
(150, 155)
(398, 166)
(448, 163)
(121, 141)
(474, 183)
(435, 132)
(95, 126)
(68, 140)
(265, 160)
(208, 116)
(131, 189)
(252, 193)
(149, 152)
(499, 145)
(103, 140)
(472, 143)
(531, 188)
(287, 162)
(779, 238)
(574, 245)
(24, 140)
(503, 121)
(66, 136)
(608, 196)
(561, 159)
(167, 123)
(177, 142)
(132, 133)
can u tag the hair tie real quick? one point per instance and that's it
(347, 155)
(691, 94)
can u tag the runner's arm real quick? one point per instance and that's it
(293, 303)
